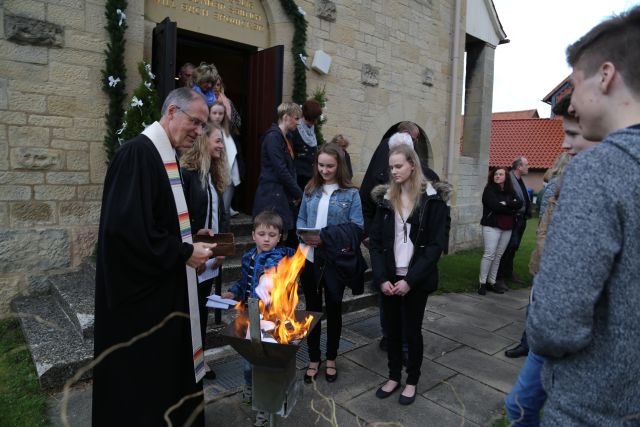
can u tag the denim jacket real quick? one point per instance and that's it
(344, 207)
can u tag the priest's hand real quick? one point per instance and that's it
(201, 253)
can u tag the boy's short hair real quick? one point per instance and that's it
(611, 40)
(562, 107)
(268, 219)
(289, 108)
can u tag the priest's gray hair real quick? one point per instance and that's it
(181, 98)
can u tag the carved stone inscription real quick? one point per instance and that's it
(240, 13)
(23, 30)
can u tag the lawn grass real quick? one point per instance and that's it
(22, 403)
(459, 271)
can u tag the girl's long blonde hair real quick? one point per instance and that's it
(559, 164)
(417, 182)
(197, 158)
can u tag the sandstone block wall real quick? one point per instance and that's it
(52, 162)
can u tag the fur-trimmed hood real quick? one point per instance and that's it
(440, 188)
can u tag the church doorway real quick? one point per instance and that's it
(252, 79)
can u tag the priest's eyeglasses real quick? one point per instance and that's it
(195, 121)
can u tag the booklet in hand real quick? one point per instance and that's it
(216, 301)
(225, 243)
(309, 230)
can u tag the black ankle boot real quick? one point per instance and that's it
(482, 289)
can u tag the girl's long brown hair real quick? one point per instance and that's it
(197, 158)
(342, 174)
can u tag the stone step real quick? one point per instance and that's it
(56, 347)
(75, 294)
(241, 225)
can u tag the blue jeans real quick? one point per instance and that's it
(527, 396)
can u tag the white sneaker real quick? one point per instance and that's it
(233, 212)
(261, 419)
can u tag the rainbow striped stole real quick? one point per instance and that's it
(158, 136)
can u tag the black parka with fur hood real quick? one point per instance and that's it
(429, 235)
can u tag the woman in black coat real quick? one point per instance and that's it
(204, 173)
(277, 187)
(499, 205)
(407, 237)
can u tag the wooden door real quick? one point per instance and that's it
(265, 94)
(163, 62)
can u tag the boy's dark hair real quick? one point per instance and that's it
(611, 40)
(562, 107)
(268, 219)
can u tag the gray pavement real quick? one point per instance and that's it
(465, 374)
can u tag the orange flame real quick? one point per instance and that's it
(284, 299)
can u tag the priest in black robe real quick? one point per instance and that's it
(141, 279)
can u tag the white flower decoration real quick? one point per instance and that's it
(148, 68)
(301, 11)
(113, 82)
(144, 125)
(147, 85)
(303, 59)
(119, 131)
(122, 16)
(135, 102)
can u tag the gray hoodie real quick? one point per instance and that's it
(585, 314)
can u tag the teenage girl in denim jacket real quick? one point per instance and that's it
(329, 199)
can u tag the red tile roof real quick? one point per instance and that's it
(539, 140)
(511, 115)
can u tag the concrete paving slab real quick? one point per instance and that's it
(469, 398)
(518, 361)
(436, 345)
(482, 367)
(513, 298)
(423, 412)
(78, 406)
(353, 380)
(472, 336)
(490, 304)
(512, 331)
(472, 315)
(375, 360)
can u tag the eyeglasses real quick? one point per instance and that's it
(195, 121)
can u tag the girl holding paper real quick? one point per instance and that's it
(204, 175)
(331, 206)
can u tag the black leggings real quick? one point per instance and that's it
(405, 312)
(313, 297)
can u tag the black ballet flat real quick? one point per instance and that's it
(331, 378)
(406, 400)
(308, 379)
(381, 394)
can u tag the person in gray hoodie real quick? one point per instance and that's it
(585, 311)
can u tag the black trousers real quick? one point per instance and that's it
(505, 271)
(313, 293)
(405, 312)
(204, 290)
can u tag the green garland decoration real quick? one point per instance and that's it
(297, 49)
(320, 95)
(115, 72)
(142, 109)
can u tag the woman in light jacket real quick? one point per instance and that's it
(331, 204)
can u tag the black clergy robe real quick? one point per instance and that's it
(140, 279)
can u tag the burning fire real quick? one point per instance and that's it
(284, 299)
